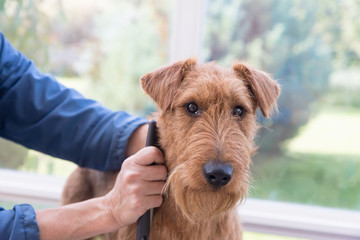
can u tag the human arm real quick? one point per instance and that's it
(40, 113)
(93, 217)
(137, 188)
(137, 140)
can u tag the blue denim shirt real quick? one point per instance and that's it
(19, 223)
(42, 114)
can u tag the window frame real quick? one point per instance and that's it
(17, 186)
(297, 220)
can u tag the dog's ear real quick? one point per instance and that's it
(264, 89)
(161, 85)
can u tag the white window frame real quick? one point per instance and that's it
(297, 220)
(186, 31)
(257, 215)
(23, 187)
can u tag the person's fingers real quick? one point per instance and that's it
(138, 186)
(136, 174)
(149, 155)
(145, 188)
(154, 173)
(153, 201)
(153, 188)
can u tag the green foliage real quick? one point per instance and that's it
(130, 48)
(11, 154)
(309, 47)
(105, 46)
(316, 179)
(297, 41)
(40, 163)
(10, 204)
(26, 25)
(342, 97)
(7, 204)
(319, 166)
(339, 24)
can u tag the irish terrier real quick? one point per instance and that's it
(207, 123)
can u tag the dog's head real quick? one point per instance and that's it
(207, 124)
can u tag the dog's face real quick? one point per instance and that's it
(207, 123)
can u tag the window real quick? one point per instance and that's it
(309, 152)
(309, 47)
(91, 46)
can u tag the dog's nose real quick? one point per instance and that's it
(217, 173)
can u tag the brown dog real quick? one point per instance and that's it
(207, 123)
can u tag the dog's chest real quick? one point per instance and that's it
(166, 225)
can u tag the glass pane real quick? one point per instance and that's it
(100, 48)
(309, 152)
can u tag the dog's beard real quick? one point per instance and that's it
(199, 205)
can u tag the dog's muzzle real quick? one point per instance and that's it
(217, 173)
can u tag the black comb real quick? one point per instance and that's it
(144, 222)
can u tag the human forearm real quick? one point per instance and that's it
(137, 140)
(75, 221)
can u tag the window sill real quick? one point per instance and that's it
(264, 216)
(298, 220)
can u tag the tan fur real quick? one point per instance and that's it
(192, 208)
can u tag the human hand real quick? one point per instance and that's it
(138, 187)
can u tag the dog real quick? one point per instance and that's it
(207, 123)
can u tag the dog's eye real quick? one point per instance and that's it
(239, 111)
(192, 108)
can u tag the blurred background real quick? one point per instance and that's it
(309, 153)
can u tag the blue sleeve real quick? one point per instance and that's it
(18, 223)
(42, 114)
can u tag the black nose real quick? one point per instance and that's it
(217, 173)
